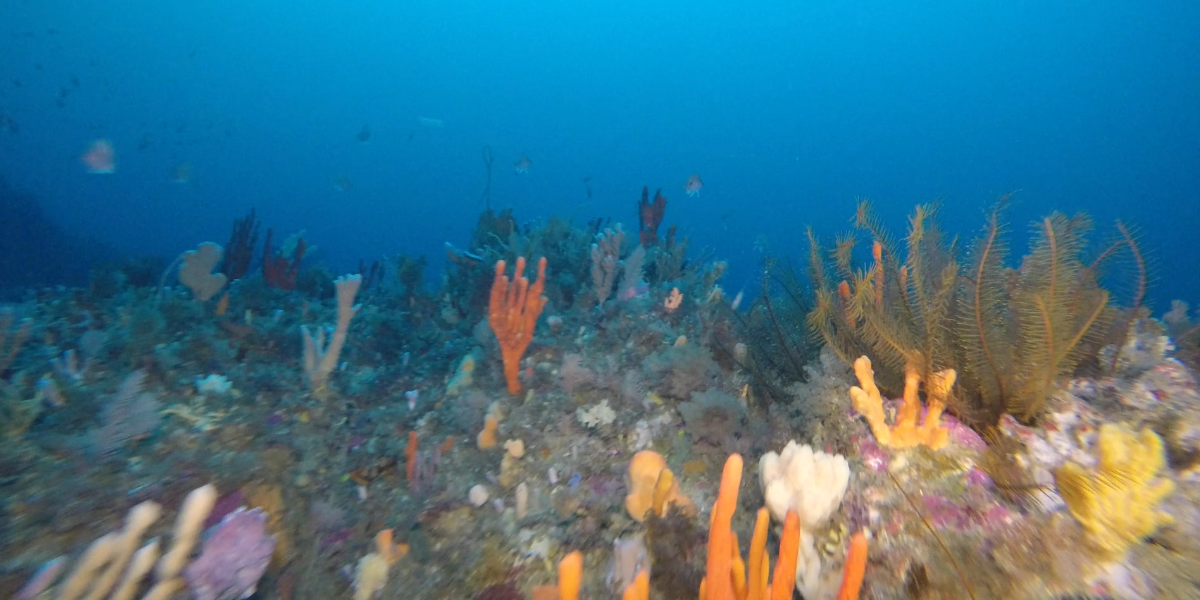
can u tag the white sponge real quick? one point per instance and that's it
(808, 568)
(810, 483)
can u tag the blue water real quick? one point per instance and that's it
(787, 110)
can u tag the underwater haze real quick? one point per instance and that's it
(788, 111)
(329, 300)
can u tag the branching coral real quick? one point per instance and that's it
(606, 255)
(513, 312)
(650, 215)
(1117, 503)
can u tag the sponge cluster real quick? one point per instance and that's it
(810, 483)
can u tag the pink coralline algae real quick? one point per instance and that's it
(942, 513)
(233, 558)
(998, 516)
(872, 455)
(945, 513)
(979, 477)
(962, 435)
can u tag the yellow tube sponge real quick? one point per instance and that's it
(1116, 503)
(906, 432)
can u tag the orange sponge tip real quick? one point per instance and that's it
(570, 575)
(856, 565)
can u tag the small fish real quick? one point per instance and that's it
(342, 183)
(364, 134)
(693, 185)
(100, 158)
(522, 164)
(431, 123)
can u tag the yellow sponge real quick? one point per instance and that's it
(1117, 502)
(906, 432)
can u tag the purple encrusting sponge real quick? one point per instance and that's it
(233, 558)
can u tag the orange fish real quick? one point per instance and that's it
(522, 164)
(693, 185)
(100, 158)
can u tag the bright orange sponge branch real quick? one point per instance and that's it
(718, 581)
(513, 311)
(639, 589)
(727, 577)
(757, 568)
(856, 565)
(789, 552)
(570, 569)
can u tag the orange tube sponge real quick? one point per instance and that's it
(570, 574)
(410, 456)
(652, 486)
(727, 577)
(718, 581)
(789, 549)
(513, 311)
(759, 563)
(387, 549)
(856, 565)
(639, 589)
(487, 438)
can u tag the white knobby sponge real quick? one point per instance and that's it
(810, 483)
